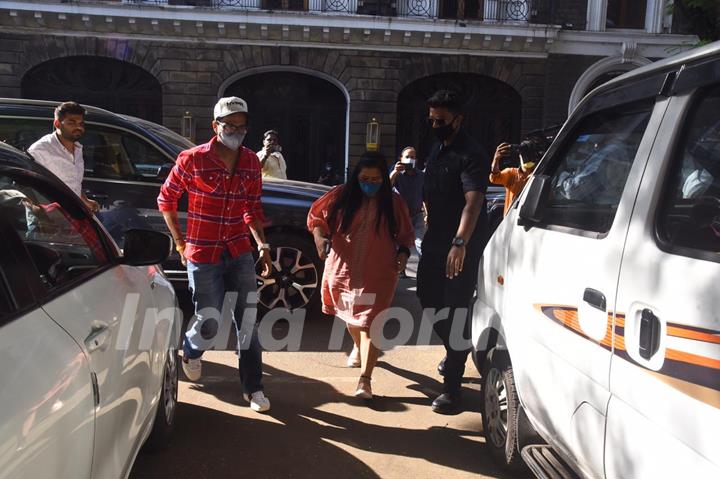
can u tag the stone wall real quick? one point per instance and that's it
(563, 73)
(192, 74)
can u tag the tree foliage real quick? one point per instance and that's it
(702, 17)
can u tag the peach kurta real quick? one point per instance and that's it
(361, 270)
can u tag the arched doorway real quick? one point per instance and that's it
(309, 113)
(492, 110)
(107, 83)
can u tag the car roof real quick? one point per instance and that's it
(45, 109)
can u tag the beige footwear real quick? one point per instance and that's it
(353, 360)
(364, 390)
(192, 369)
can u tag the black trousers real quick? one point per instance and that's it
(456, 357)
(436, 292)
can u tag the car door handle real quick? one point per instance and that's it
(649, 333)
(98, 338)
(595, 298)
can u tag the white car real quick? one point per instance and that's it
(596, 325)
(87, 350)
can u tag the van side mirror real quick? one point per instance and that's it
(531, 211)
(145, 247)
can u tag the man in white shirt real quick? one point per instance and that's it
(272, 161)
(60, 151)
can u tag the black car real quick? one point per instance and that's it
(126, 161)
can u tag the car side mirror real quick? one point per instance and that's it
(146, 247)
(164, 171)
(531, 211)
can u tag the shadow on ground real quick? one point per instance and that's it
(302, 443)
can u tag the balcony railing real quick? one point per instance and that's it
(521, 11)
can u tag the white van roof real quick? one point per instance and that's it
(690, 56)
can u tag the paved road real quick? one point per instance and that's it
(316, 428)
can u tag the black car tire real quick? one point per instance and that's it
(298, 265)
(500, 408)
(167, 405)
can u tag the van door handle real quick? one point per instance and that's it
(595, 298)
(649, 334)
(98, 338)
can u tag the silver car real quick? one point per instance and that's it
(87, 334)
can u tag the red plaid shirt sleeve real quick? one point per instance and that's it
(176, 183)
(254, 191)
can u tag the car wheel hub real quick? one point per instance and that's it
(170, 386)
(292, 282)
(496, 408)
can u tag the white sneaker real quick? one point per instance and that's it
(364, 389)
(192, 368)
(353, 360)
(258, 401)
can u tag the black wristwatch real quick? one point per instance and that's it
(458, 241)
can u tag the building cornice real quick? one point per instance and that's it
(324, 30)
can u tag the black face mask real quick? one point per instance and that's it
(442, 133)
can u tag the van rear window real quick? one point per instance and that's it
(689, 220)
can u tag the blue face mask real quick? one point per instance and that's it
(370, 188)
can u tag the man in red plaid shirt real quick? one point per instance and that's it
(224, 184)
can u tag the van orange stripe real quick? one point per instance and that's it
(620, 342)
(692, 359)
(688, 334)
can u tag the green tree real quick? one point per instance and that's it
(701, 17)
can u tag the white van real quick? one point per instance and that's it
(596, 325)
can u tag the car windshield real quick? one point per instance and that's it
(170, 137)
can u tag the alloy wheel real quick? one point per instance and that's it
(170, 386)
(292, 282)
(496, 408)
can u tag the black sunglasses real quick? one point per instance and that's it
(439, 121)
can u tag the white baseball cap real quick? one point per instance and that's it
(229, 105)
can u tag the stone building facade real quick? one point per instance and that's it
(319, 77)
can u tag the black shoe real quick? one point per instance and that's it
(447, 403)
(441, 366)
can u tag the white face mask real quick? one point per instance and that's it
(232, 140)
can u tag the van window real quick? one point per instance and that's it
(689, 221)
(589, 173)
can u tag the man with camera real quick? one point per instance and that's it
(513, 179)
(408, 182)
(272, 161)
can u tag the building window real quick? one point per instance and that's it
(626, 14)
(647, 15)
(284, 5)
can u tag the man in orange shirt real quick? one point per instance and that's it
(514, 179)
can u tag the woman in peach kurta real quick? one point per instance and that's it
(369, 231)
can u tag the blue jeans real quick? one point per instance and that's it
(213, 285)
(418, 222)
